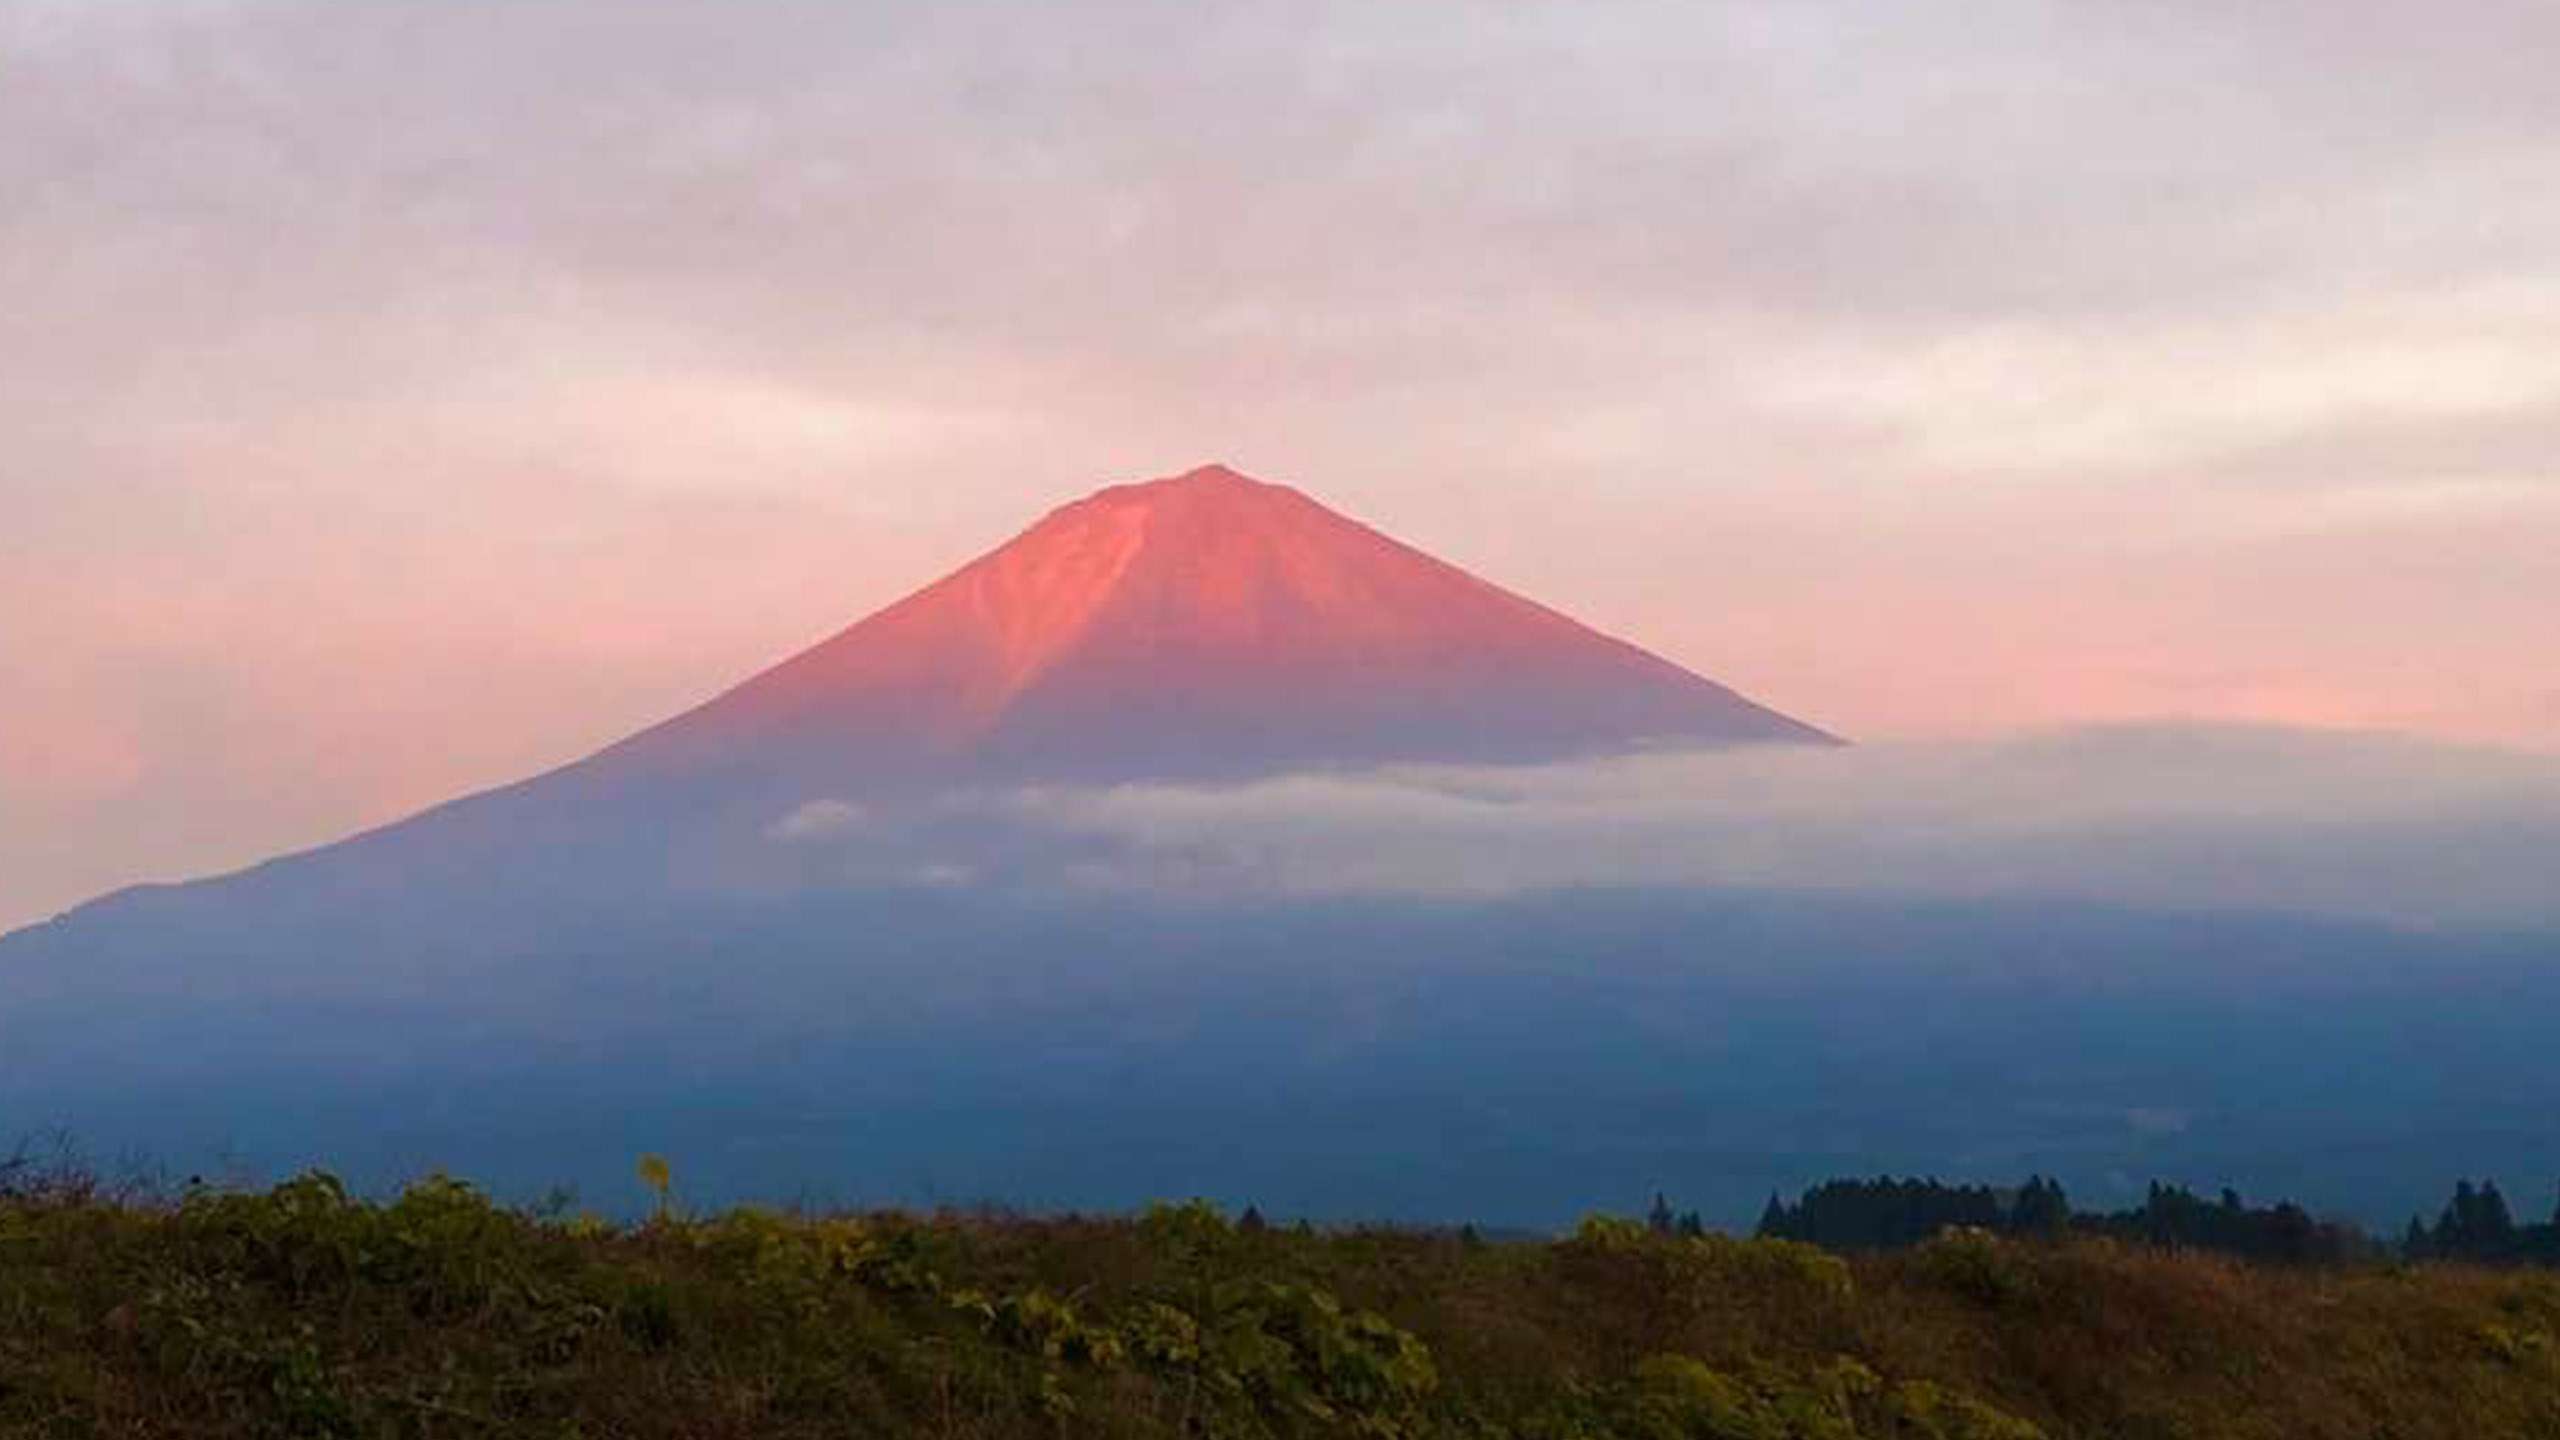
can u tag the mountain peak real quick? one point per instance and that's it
(1201, 624)
(1201, 485)
(1210, 475)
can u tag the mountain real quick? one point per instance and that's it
(1203, 627)
(1206, 625)
(813, 939)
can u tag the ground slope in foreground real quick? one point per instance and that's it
(302, 1313)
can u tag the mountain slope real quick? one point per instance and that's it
(1206, 626)
(1203, 625)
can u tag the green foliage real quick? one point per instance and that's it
(1925, 1410)
(1294, 1351)
(1681, 1398)
(659, 1178)
(1977, 1265)
(1677, 1397)
(305, 1311)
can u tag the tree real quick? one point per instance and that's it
(1773, 1219)
(2041, 1208)
(2453, 1223)
(1659, 1219)
(2290, 1233)
(2477, 1223)
(2497, 1223)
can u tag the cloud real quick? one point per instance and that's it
(818, 820)
(2122, 394)
(2347, 825)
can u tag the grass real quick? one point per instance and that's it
(303, 1311)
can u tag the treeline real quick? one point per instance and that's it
(1889, 1213)
(2477, 1225)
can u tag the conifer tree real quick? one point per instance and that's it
(2042, 1208)
(1773, 1219)
(2446, 1238)
(2497, 1223)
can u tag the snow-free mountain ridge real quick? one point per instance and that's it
(1203, 627)
(1208, 624)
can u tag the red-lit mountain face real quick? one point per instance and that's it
(1207, 625)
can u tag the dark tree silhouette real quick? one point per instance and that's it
(2041, 1208)
(1886, 1213)
(2477, 1225)
(1659, 1219)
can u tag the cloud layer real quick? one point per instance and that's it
(2348, 826)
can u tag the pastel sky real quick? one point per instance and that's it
(397, 398)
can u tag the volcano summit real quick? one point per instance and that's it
(1203, 626)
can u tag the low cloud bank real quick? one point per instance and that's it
(2348, 825)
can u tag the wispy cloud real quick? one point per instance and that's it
(817, 820)
(2345, 825)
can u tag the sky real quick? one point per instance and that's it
(399, 398)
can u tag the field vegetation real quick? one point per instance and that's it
(303, 1310)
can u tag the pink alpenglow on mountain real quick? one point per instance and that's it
(1208, 627)
(1204, 626)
